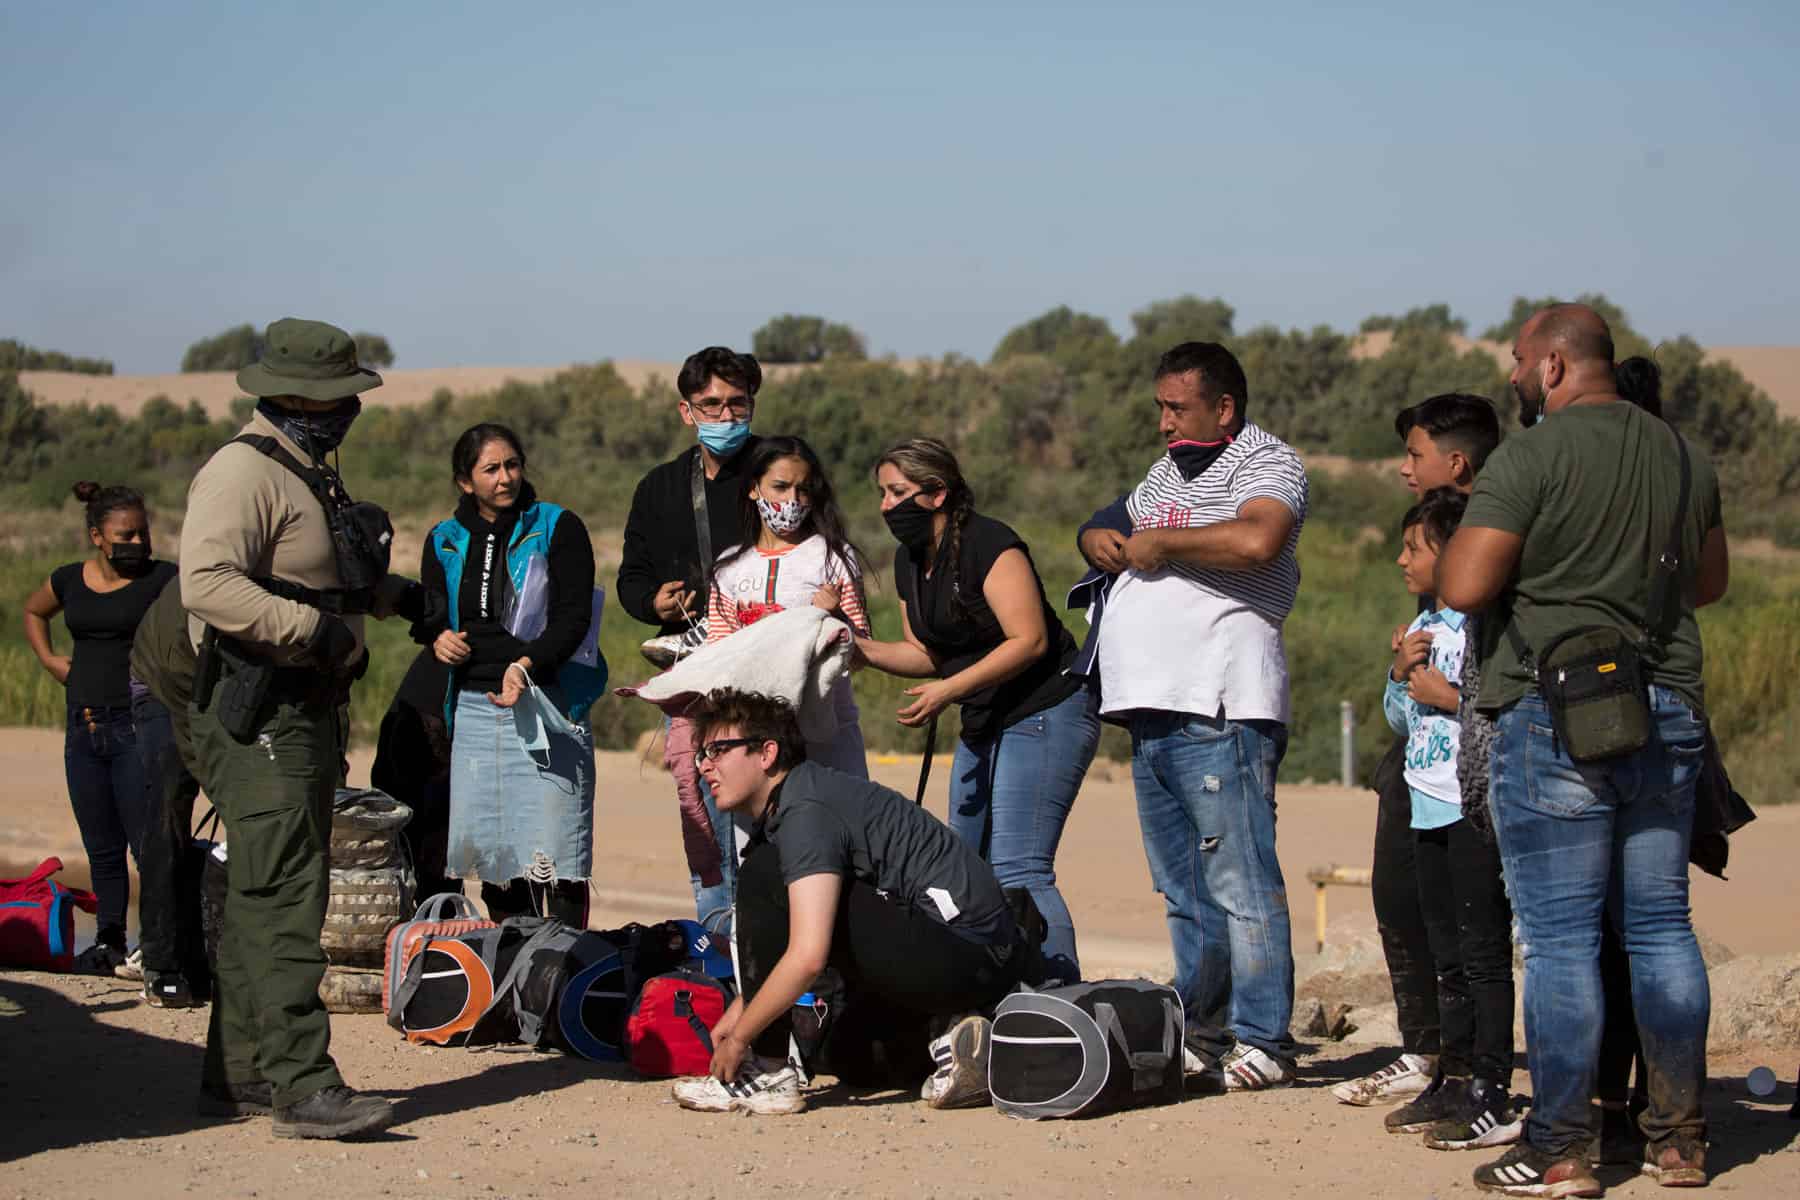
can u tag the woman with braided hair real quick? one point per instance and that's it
(975, 622)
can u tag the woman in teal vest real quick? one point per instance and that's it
(515, 576)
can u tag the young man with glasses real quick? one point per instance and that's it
(845, 873)
(683, 515)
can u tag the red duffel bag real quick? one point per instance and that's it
(37, 919)
(669, 1031)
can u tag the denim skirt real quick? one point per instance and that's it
(521, 791)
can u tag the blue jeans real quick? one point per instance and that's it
(723, 894)
(108, 792)
(1206, 805)
(1587, 842)
(1010, 798)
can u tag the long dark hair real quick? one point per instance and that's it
(1639, 380)
(931, 465)
(103, 502)
(826, 518)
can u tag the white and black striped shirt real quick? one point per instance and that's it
(1256, 465)
(1202, 640)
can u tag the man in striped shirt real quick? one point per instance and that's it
(1190, 659)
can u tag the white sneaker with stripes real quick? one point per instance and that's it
(763, 1087)
(1247, 1069)
(1405, 1077)
(961, 1078)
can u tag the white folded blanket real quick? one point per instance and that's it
(797, 654)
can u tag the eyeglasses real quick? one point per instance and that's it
(739, 406)
(715, 750)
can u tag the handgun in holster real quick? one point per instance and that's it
(243, 684)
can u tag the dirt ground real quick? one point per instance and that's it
(100, 1088)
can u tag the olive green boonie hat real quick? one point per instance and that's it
(307, 358)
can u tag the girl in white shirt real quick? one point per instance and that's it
(794, 552)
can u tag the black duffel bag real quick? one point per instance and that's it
(1086, 1049)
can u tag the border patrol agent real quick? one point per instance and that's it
(278, 570)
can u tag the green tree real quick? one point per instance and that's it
(1077, 341)
(1430, 318)
(373, 350)
(792, 338)
(1187, 318)
(17, 356)
(1166, 323)
(1626, 339)
(1291, 376)
(237, 347)
(1360, 407)
(24, 429)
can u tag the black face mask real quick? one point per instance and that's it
(910, 523)
(317, 433)
(1191, 458)
(129, 558)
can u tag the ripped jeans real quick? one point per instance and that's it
(1206, 806)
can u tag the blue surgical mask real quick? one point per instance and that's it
(724, 438)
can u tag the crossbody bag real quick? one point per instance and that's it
(1595, 679)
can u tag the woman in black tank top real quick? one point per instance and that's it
(102, 599)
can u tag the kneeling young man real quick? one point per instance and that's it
(845, 872)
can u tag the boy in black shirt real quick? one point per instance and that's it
(844, 872)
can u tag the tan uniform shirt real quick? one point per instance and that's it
(249, 517)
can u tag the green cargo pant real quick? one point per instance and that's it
(275, 796)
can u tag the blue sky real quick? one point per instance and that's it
(546, 183)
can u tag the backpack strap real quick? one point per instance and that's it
(1666, 577)
(702, 526)
(328, 490)
(684, 1008)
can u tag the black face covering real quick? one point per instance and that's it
(129, 558)
(316, 433)
(910, 523)
(1191, 458)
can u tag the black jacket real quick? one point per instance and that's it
(571, 556)
(660, 542)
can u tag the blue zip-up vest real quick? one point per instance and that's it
(581, 685)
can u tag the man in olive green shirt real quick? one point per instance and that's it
(1564, 530)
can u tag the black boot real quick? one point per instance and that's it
(334, 1112)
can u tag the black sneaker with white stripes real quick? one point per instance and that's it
(1527, 1171)
(762, 1087)
(1487, 1118)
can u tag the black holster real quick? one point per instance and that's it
(243, 692)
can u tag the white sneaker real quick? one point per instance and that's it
(1405, 1077)
(1247, 1069)
(961, 1078)
(762, 1087)
(133, 966)
(670, 648)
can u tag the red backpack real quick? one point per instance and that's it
(37, 919)
(669, 1031)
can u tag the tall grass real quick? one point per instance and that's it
(1350, 598)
